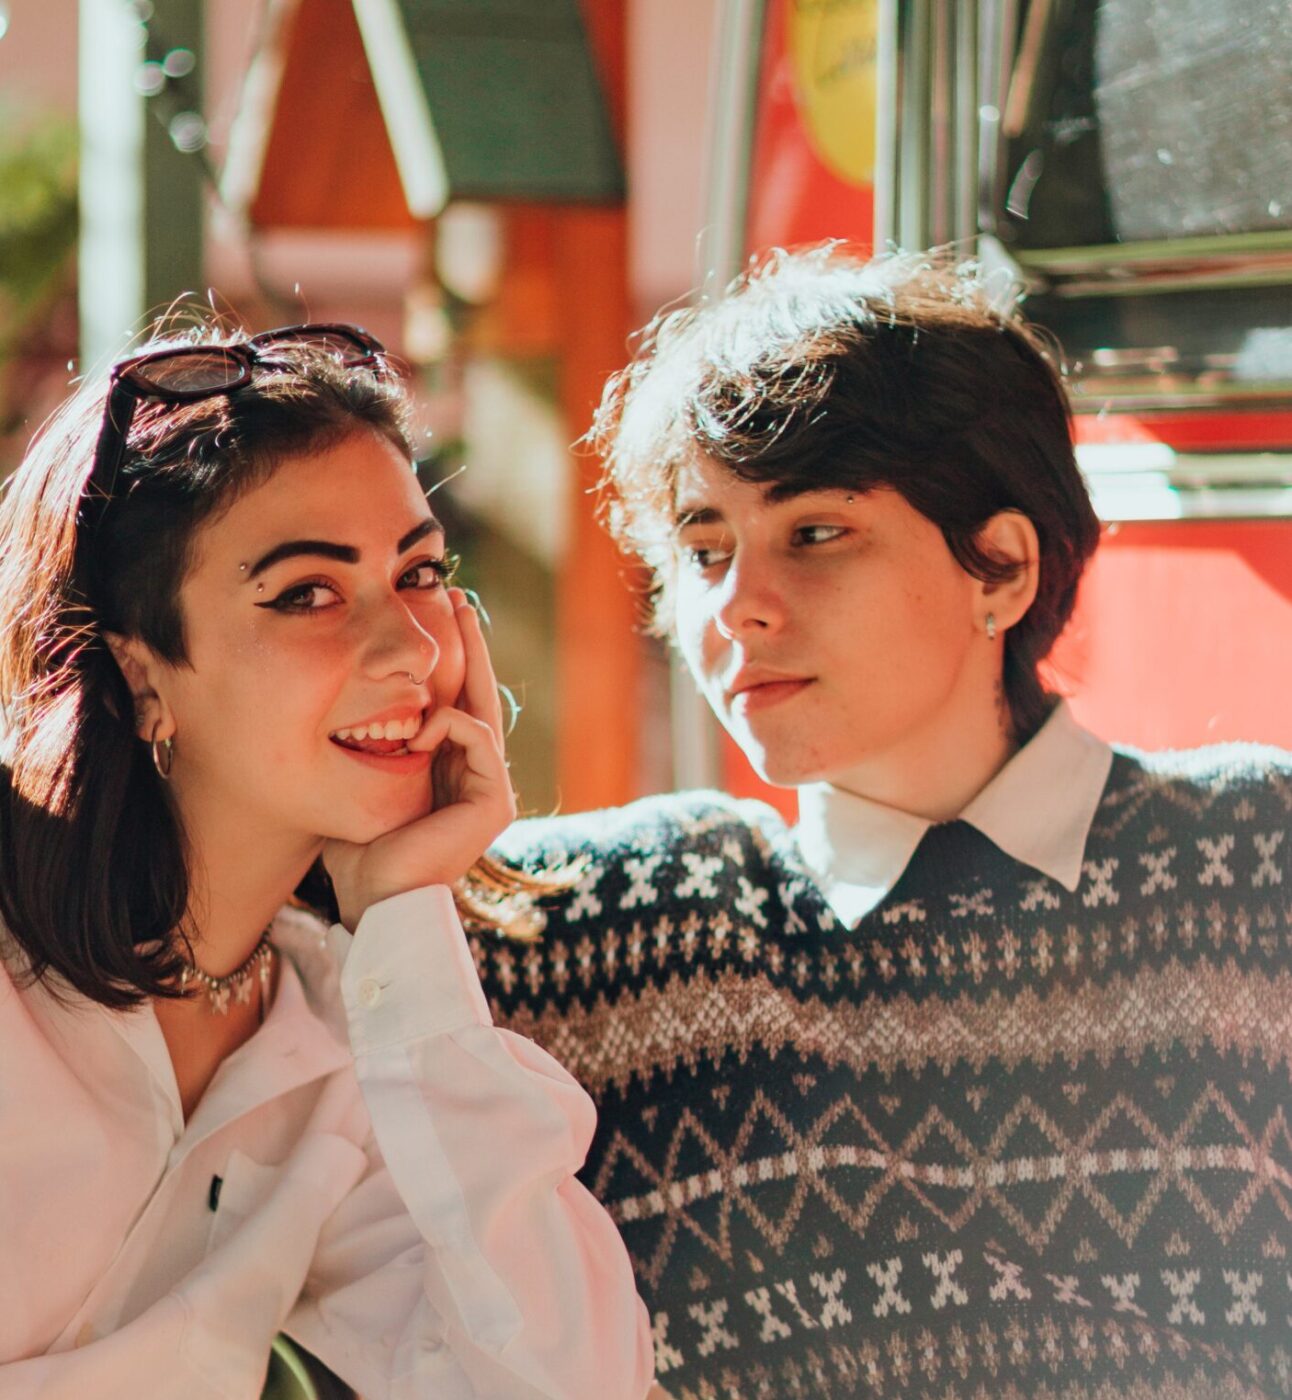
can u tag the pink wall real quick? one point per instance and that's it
(38, 56)
(670, 48)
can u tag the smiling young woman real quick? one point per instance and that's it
(236, 676)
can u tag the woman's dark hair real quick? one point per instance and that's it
(93, 875)
(820, 369)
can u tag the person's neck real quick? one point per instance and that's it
(239, 877)
(937, 770)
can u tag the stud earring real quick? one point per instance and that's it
(991, 627)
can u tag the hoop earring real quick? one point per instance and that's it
(163, 765)
(991, 627)
(414, 679)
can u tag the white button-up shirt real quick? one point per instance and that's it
(379, 1172)
(1038, 809)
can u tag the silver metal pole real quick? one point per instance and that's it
(966, 123)
(887, 90)
(913, 136)
(941, 117)
(733, 88)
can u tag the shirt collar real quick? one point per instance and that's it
(303, 1037)
(858, 848)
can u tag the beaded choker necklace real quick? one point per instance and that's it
(238, 983)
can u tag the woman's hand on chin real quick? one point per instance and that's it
(472, 798)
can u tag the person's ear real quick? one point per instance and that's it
(1009, 536)
(143, 671)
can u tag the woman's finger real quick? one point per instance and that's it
(481, 749)
(473, 806)
(480, 695)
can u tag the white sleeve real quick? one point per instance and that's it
(469, 1263)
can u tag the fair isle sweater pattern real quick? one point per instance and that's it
(999, 1140)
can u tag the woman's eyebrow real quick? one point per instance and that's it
(342, 553)
(429, 526)
(289, 549)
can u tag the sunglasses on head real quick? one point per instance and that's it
(189, 373)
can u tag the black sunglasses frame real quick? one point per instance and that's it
(129, 386)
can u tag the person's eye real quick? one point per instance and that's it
(429, 574)
(704, 556)
(310, 597)
(819, 534)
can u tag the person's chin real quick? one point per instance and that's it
(773, 765)
(362, 823)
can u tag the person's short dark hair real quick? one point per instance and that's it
(820, 369)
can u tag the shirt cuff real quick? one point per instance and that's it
(408, 973)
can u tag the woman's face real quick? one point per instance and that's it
(314, 610)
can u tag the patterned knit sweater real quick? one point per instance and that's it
(998, 1141)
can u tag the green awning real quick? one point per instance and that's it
(491, 99)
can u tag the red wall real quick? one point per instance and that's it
(1183, 634)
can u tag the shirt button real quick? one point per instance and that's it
(369, 992)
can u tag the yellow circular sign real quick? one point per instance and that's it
(833, 47)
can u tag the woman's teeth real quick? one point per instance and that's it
(391, 729)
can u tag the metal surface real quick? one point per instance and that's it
(914, 42)
(941, 134)
(730, 139)
(1150, 481)
(887, 88)
(696, 756)
(998, 21)
(966, 118)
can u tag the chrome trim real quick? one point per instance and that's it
(999, 20)
(733, 81)
(1020, 86)
(941, 135)
(1151, 481)
(733, 85)
(1093, 393)
(913, 133)
(966, 119)
(1154, 500)
(887, 89)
